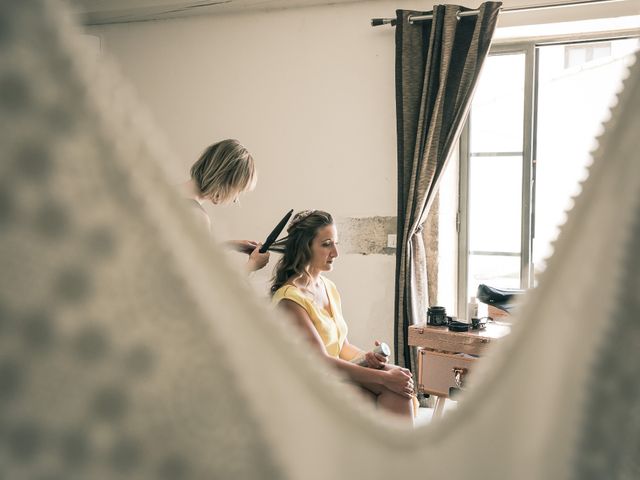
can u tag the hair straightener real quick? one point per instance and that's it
(273, 236)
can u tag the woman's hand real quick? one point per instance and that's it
(243, 246)
(257, 260)
(376, 360)
(399, 381)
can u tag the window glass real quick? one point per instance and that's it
(498, 271)
(572, 105)
(574, 86)
(496, 114)
(495, 198)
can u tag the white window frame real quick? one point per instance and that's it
(529, 48)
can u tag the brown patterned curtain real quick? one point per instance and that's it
(437, 66)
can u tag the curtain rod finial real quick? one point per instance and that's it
(375, 22)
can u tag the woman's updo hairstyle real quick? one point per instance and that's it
(297, 245)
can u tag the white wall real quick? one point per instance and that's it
(310, 92)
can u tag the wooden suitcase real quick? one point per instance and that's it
(438, 372)
(440, 365)
(473, 342)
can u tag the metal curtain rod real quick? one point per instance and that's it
(467, 13)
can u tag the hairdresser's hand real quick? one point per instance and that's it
(257, 260)
(376, 360)
(243, 246)
(398, 380)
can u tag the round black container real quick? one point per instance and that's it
(436, 316)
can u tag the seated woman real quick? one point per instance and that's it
(313, 302)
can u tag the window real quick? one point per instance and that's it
(576, 55)
(524, 152)
(495, 172)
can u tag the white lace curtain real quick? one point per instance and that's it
(129, 349)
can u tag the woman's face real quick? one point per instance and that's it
(324, 249)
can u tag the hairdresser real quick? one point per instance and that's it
(223, 172)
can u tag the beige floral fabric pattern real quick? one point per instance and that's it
(130, 349)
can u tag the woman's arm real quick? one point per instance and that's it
(398, 380)
(301, 318)
(349, 351)
(242, 246)
(374, 360)
(256, 259)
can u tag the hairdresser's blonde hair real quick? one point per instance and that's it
(224, 170)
